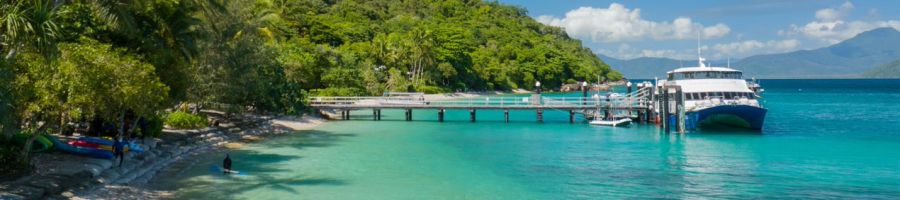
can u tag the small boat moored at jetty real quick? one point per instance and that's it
(614, 123)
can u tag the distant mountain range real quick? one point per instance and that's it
(649, 67)
(856, 57)
(890, 70)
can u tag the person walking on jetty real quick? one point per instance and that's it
(119, 150)
(226, 164)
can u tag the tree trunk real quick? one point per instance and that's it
(133, 127)
(11, 54)
(26, 151)
(421, 71)
(121, 128)
(62, 123)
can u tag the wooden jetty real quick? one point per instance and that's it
(642, 104)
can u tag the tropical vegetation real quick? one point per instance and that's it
(71, 61)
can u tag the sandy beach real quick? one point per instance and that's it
(65, 176)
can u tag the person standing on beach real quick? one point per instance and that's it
(226, 164)
(119, 150)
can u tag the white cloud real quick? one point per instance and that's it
(831, 14)
(625, 51)
(745, 48)
(716, 31)
(618, 23)
(831, 27)
(719, 51)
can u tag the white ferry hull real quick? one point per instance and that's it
(741, 116)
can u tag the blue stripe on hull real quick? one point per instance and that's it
(743, 116)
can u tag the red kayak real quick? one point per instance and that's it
(88, 144)
(79, 143)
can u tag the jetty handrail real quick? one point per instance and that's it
(634, 99)
(637, 98)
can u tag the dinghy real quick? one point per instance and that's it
(613, 123)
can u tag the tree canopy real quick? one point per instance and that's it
(450, 45)
(71, 60)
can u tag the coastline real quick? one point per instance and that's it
(64, 176)
(229, 136)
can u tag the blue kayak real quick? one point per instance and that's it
(96, 140)
(96, 153)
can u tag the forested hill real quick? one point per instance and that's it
(887, 70)
(83, 58)
(415, 45)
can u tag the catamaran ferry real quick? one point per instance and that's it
(717, 96)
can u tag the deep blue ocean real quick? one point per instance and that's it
(822, 139)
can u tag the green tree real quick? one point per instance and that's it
(164, 32)
(30, 26)
(88, 79)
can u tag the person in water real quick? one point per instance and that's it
(119, 150)
(226, 164)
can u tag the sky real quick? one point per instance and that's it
(726, 29)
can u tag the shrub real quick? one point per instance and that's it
(185, 120)
(14, 165)
(427, 89)
(154, 126)
(340, 91)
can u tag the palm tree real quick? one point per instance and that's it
(29, 26)
(421, 46)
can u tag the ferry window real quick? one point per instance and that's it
(729, 95)
(696, 95)
(703, 95)
(718, 94)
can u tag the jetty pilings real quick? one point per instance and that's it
(506, 115)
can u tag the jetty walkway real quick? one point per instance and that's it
(638, 101)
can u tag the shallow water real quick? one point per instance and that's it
(821, 139)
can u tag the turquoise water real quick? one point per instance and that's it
(823, 139)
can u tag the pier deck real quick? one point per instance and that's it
(590, 107)
(496, 103)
